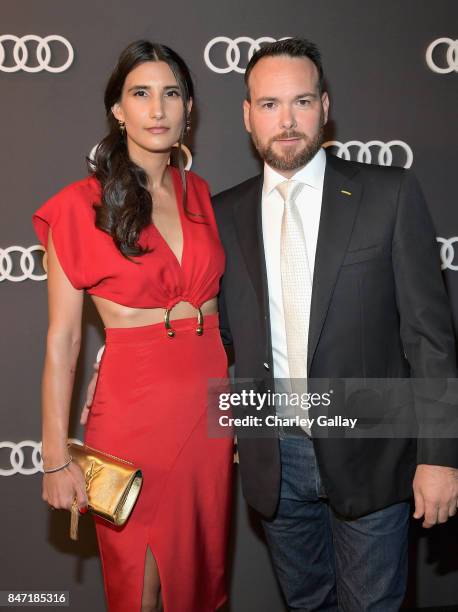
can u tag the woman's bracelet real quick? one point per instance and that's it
(58, 468)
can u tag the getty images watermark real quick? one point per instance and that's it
(343, 407)
(286, 406)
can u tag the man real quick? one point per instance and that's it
(336, 510)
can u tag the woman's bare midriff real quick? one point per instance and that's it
(116, 315)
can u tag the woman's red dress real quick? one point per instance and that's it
(150, 405)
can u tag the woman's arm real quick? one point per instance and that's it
(65, 304)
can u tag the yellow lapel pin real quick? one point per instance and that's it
(348, 193)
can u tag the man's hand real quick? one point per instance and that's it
(435, 489)
(89, 395)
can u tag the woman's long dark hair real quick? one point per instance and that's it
(126, 204)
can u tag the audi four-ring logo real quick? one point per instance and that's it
(447, 252)
(187, 154)
(451, 55)
(233, 53)
(385, 150)
(25, 262)
(21, 454)
(17, 458)
(43, 53)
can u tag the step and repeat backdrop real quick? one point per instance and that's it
(392, 74)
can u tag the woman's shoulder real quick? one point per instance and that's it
(73, 202)
(70, 210)
(86, 190)
(70, 215)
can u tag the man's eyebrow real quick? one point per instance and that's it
(267, 99)
(307, 94)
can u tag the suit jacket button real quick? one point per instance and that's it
(266, 365)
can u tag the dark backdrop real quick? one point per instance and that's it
(384, 87)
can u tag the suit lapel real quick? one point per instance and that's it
(248, 223)
(338, 214)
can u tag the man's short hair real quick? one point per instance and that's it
(290, 47)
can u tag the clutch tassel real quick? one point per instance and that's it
(75, 515)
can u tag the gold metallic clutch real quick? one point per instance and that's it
(112, 485)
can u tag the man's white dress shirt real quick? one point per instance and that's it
(309, 204)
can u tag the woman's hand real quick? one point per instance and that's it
(60, 488)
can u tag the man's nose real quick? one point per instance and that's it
(287, 118)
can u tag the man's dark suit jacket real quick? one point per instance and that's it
(379, 310)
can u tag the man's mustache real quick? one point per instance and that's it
(289, 134)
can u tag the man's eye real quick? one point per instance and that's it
(141, 93)
(268, 105)
(304, 102)
(173, 93)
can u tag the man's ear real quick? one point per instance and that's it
(246, 115)
(325, 104)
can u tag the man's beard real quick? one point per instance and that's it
(290, 160)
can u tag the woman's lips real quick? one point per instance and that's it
(157, 130)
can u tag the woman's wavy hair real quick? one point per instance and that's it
(126, 204)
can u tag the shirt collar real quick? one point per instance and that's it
(312, 174)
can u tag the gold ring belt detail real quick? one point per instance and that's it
(171, 331)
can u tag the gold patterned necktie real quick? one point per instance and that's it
(296, 283)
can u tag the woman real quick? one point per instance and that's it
(140, 237)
